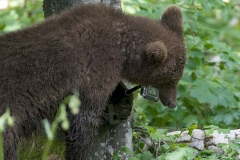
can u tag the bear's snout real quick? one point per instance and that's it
(168, 97)
(168, 103)
(171, 104)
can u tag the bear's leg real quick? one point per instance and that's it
(83, 128)
(10, 141)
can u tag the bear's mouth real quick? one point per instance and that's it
(168, 103)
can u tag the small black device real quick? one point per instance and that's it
(150, 93)
(147, 92)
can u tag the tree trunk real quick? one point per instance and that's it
(117, 132)
(51, 7)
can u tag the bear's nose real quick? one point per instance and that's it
(171, 104)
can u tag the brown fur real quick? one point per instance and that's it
(89, 48)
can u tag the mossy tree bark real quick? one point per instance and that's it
(112, 136)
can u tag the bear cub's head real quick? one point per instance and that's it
(169, 53)
(164, 56)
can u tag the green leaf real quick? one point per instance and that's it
(151, 129)
(206, 5)
(231, 64)
(2, 26)
(228, 118)
(116, 155)
(180, 154)
(159, 134)
(219, 117)
(209, 129)
(190, 120)
(224, 131)
(133, 158)
(202, 92)
(208, 45)
(208, 132)
(126, 150)
(147, 156)
(191, 128)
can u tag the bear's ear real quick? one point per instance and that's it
(156, 52)
(172, 19)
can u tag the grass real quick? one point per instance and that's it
(33, 148)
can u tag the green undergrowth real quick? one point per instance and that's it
(33, 148)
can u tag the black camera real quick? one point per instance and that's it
(147, 92)
(150, 93)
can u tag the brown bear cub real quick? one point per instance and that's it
(89, 48)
